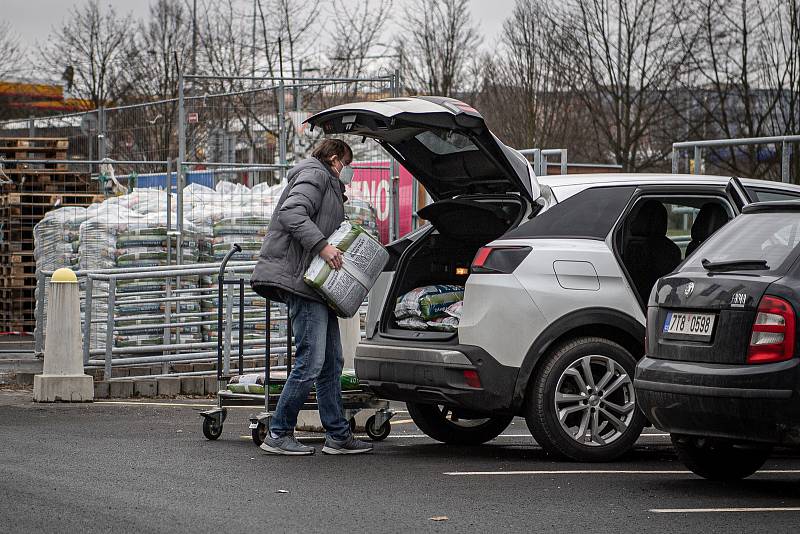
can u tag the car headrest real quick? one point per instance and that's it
(650, 221)
(710, 218)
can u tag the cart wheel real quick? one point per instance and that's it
(380, 433)
(353, 425)
(259, 434)
(211, 429)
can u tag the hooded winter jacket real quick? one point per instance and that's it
(310, 208)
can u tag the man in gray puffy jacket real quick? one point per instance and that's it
(309, 210)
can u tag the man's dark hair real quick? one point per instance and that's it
(328, 148)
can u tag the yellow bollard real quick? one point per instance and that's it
(63, 379)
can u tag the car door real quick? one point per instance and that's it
(646, 246)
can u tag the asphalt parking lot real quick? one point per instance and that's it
(145, 467)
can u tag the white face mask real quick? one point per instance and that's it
(346, 174)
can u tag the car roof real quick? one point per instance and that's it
(575, 181)
(772, 206)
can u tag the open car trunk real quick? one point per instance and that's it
(459, 227)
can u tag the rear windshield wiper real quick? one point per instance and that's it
(735, 265)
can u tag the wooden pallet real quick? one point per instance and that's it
(59, 173)
(34, 142)
(32, 153)
(49, 199)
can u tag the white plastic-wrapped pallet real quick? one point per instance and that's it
(116, 236)
(242, 218)
(56, 238)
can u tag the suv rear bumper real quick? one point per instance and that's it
(741, 402)
(435, 375)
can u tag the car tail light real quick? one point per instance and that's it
(499, 259)
(472, 378)
(773, 334)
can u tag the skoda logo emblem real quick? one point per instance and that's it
(688, 289)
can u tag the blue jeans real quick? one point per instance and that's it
(318, 359)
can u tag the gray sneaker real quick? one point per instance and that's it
(349, 446)
(286, 445)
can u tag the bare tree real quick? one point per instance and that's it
(784, 62)
(86, 50)
(742, 68)
(12, 53)
(437, 40)
(12, 56)
(526, 89)
(225, 42)
(159, 50)
(356, 36)
(625, 63)
(288, 30)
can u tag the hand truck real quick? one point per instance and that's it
(377, 427)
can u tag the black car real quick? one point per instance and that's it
(721, 372)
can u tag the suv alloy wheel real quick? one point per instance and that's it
(581, 404)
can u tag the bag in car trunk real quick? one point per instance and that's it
(460, 227)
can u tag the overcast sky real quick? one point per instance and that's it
(33, 19)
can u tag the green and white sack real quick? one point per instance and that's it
(364, 259)
(428, 302)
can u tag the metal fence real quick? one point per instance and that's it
(176, 182)
(726, 149)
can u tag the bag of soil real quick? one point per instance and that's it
(443, 324)
(428, 302)
(364, 259)
(254, 383)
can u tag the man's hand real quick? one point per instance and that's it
(332, 256)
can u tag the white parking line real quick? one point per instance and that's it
(144, 403)
(604, 472)
(720, 510)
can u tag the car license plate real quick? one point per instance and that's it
(681, 325)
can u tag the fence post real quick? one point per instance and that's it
(564, 169)
(394, 181)
(675, 155)
(282, 128)
(537, 162)
(39, 313)
(180, 176)
(87, 319)
(112, 295)
(786, 159)
(101, 133)
(698, 159)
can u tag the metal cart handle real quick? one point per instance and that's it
(234, 249)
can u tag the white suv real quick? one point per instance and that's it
(556, 272)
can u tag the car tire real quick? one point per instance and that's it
(718, 460)
(571, 420)
(433, 420)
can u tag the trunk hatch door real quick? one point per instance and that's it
(443, 142)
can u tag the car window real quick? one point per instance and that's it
(589, 214)
(444, 142)
(773, 237)
(768, 195)
(682, 214)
